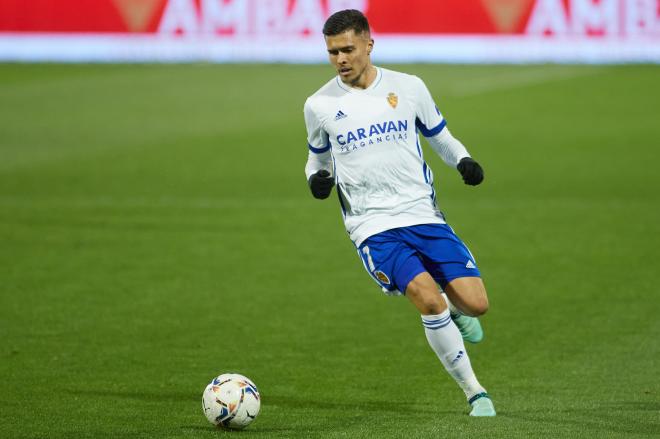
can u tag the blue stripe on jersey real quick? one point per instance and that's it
(319, 150)
(430, 181)
(424, 166)
(379, 79)
(425, 169)
(427, 173)
(341, 202)
(429, 132)
(419, 149)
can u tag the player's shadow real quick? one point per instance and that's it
(607, 418)
(174, 397)
(333, 414)
(367, 406)
(253, 429)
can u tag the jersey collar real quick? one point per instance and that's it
(374, 84)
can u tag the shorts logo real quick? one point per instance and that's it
(382, 277)
(470, 264)
(392, 99)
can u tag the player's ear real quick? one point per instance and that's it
(370, 46)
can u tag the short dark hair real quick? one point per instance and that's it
(343, 21)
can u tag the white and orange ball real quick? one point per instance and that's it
(231, 401)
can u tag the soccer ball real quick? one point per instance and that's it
(231, 401)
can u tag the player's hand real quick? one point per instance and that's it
(321, 184)
(471, 171)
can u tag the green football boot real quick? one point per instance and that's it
(482, 405)
(469, 326)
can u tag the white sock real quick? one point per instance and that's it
(452, 309)
(447, 343)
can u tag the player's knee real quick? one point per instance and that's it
(432, 306)
(468, 295)
(479, 306)
(426, 300)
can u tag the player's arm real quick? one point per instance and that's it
(319, 176)
(455, 155)
(318, 169)
(432, 125)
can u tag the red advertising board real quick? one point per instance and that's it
(628, 23)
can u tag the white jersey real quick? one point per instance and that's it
(368, 139)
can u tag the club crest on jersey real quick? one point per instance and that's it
(382, 277)
(392, 99)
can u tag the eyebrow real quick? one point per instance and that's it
(339, 49)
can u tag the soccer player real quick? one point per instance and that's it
(363, 130)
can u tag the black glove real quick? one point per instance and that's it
(471, 171)
(321, 184)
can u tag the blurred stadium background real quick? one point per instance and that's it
(156, 229)
(474, 31)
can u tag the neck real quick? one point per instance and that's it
(366, 78)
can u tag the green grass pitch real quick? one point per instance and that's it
(156, 230)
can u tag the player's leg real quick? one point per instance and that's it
(452, 266)
(395, 266)
(423, 292)
(446, 340)
(466, 297)
(468, 294)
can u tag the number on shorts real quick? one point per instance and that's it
(370, 261)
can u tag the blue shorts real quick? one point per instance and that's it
(394, 257)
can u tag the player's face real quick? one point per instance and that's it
(350, 54)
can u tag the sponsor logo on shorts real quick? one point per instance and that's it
(470, 264)
(382, 277)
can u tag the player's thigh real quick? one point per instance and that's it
(390, 263)
(452, 265)
(468, 294)
(423, 292)
(444, 254)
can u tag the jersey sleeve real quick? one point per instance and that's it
(317, 139)
(318, 142)
(448, 147)
(429, 120)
